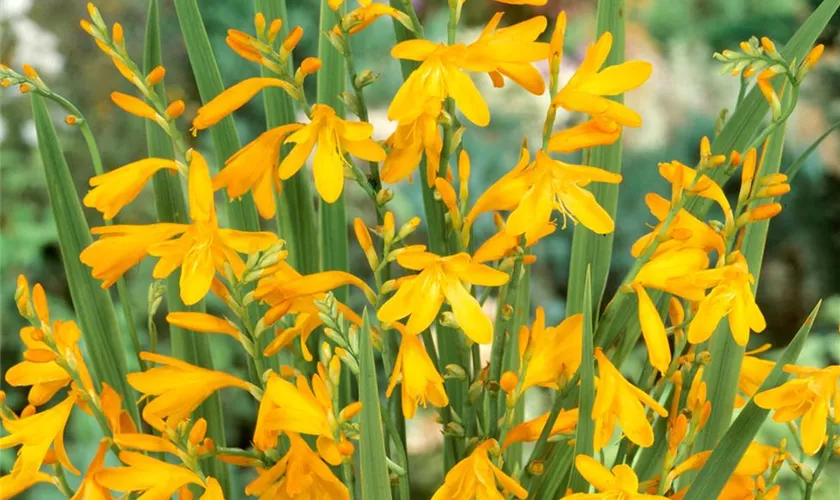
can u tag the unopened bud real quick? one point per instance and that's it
(507, 312)
(175, 109)
(259, 23)
(85, 24)
(456, 372)
(388, 227)
(310, 65)
(454, 429)
(155, 76)
(408, 228)
(768, 45)
(365, 78)
(71, 120)
(345, 447)
(24, 304)
(813, 56)
(30, 72)
(762, 212)
(199, 429)
(24, 88)
(384, 196)
(536, 468)
(274, 29)
(117, 34)
(350, 411)
(735, 158)
(508, 381)
(2, 397)
(292, 39)
(773, 191)
(28, 411)
(209, 445)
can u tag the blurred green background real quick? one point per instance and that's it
(679, 104)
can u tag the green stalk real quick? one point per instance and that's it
(242, 213)
(590, 250)
(171, 207)
(824, 458)
(93, 305)
(584, 435)
(501, 331)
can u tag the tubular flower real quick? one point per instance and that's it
(550, 354)
(420, 296)
(334, 139)
(476, 477)
(505, 193)
(155, 478)
(89, 489)
(119, 187)
(439, 76)
(40, 368)
(510, 52)
(530, 431)
(809, 396)
(685, 231)
(417, 375)
(594, 132)
(299, 475)
(297, 408)
(180, 387)
(234, 98)
(586, 89)
(200, 250)
(503, 244)
(410, 140)
(35, 434)
(677, 173)
(753, 373)
(254, 168)
(618, 400)
(558, 185)
(620, 483)
(731, 295)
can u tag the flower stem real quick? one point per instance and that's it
(826, 454)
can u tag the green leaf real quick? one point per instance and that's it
(591, 251)
(728, 452)
(171, 207)
(93, 305)
(242, 213)
(295, 210)
(331, 83)
(584, 435)
(725, 366)
(374, 468)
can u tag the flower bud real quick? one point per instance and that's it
(388, 228)
(384, 196)
(274, 29)
(292, 39)
(28, 411)
(536, 468)
(175, 109)
(24, 88)
(762, 212)
(455, 372)
(155, 76)
(199, 429)
(117, 35)
(408, 228)
(365, 78)
(350, 411)
(773, 191)
(71, 120)
(345, 447)
(310, 65)
(24, 304)
(813, 56)
(85, 24)
(768, 45)
(259, 23)
(508, 381)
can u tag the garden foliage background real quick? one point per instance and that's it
(679, 105)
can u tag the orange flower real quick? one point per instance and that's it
(476, 477)
(36, 433)
(417, 375)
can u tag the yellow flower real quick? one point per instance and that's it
(809, 396)
(476, 477)
(119, 187)
(510, 51)
(618, 400)
(89, 489)
(684, 231)
(40, 368)
(334, 139)
(13, 484)
(549, 354)
(742, 484)
(368, 12)
(677, 173)
(558, 185)
(155, 478)
(753, 373)
(731, 295)
(299, 475)
(586, 89)
(201, 249)
(234, 98)
(297, 408)
(36, 433)
(410, 140)
(530, 431)
(594, 132)
(417, 375)
(502, 244)
(180, 387)
(620, 483)
(254, 168)
(420, 296)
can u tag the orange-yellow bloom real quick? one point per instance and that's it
(89, 489)
(549, 354)
(201, 249)
(13, 484)
(179, 386)
(367, 12)
(502, 244)
(594, 132)
(620, 483)
(476, 477)
(36, 433)
(530, 431)
(619, 401)
(684, 231)
(119, 187)
(254, 168)
(586, 89)
(234, 98)
(334, 138)
(417, 375)
(753, 373)
(677, 173)
(155, 478)
(299, 475)
(732, 295)
(811, 396)
(410, 140)
(420, 296)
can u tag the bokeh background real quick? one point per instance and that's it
(679, 104)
